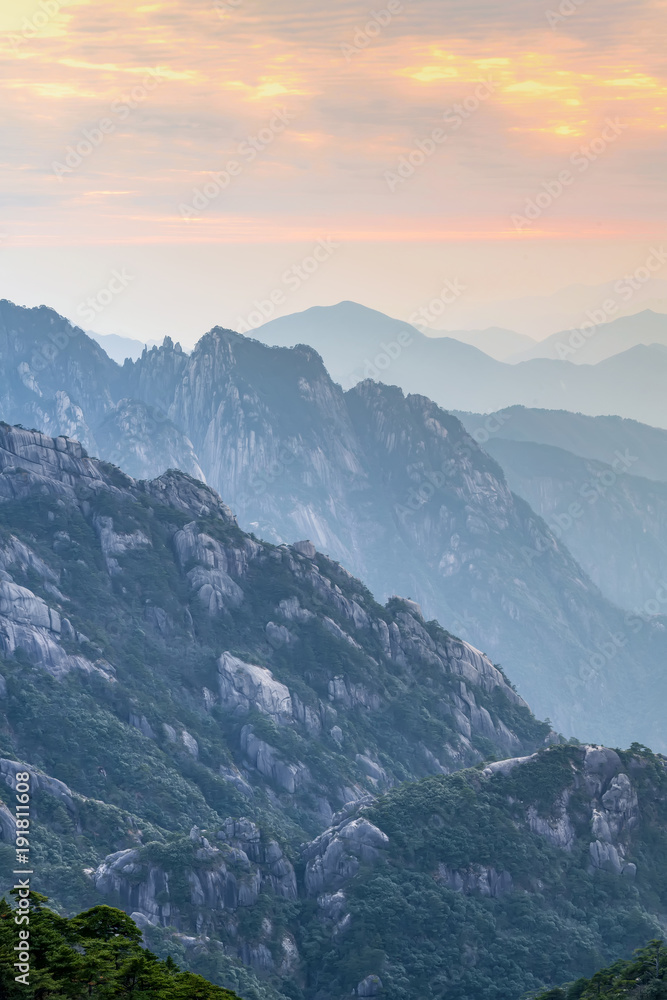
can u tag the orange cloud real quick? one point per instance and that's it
(225, 67)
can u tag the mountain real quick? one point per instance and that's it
(599, 438)
(613, 523)
(393, 488)
(592, 479)
(235, 744)
(163, 671)
(599, 339)
(119, 348)
(540, 316)
(498, 343)
(643, 977)
(53, 376)
(56, 378)
(349, 330)
(499, 881)
(358, 343)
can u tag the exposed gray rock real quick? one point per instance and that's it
(606, 857)
(621, 805)
(351, 695)
(38, 782)
(277, 870)
(307, 716)
(190, 744)
(558, 830)
(22, 606)
(243, 685)
(600, 763)
(480, 879)
(412, 606)
(114, 544)
(291, 609)
(7, 825)
(143, 725)
(332, 905)
(138, 886)
(142, 921)
(371, 986)
(13, 552)
(338, 632)
(306, 549)
(211, 578)
(373, 770)
(234, 776)
(41, 646)
(335, 856)
(143, 442)
(176, 489)
(506, 766)
(278, 635)
(160, 620)
(268, 761)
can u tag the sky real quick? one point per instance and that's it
(202, 149)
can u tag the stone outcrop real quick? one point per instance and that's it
(243, 685)
(481, 879)
(337, 854)
(612, 804)
(388, 654)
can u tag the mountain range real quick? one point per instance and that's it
(288, 786)
(541, 315)
(358, 343)
(597, 337)
(616, 489)
(391, 486)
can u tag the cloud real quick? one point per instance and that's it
(360, 97)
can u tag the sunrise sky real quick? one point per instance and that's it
(307, 121)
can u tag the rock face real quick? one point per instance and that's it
(483, 880)
(244, 684)
(608, 501)
(142, 442)
(299, 686)
(335, 857)
(612, 807)
(390, 485)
